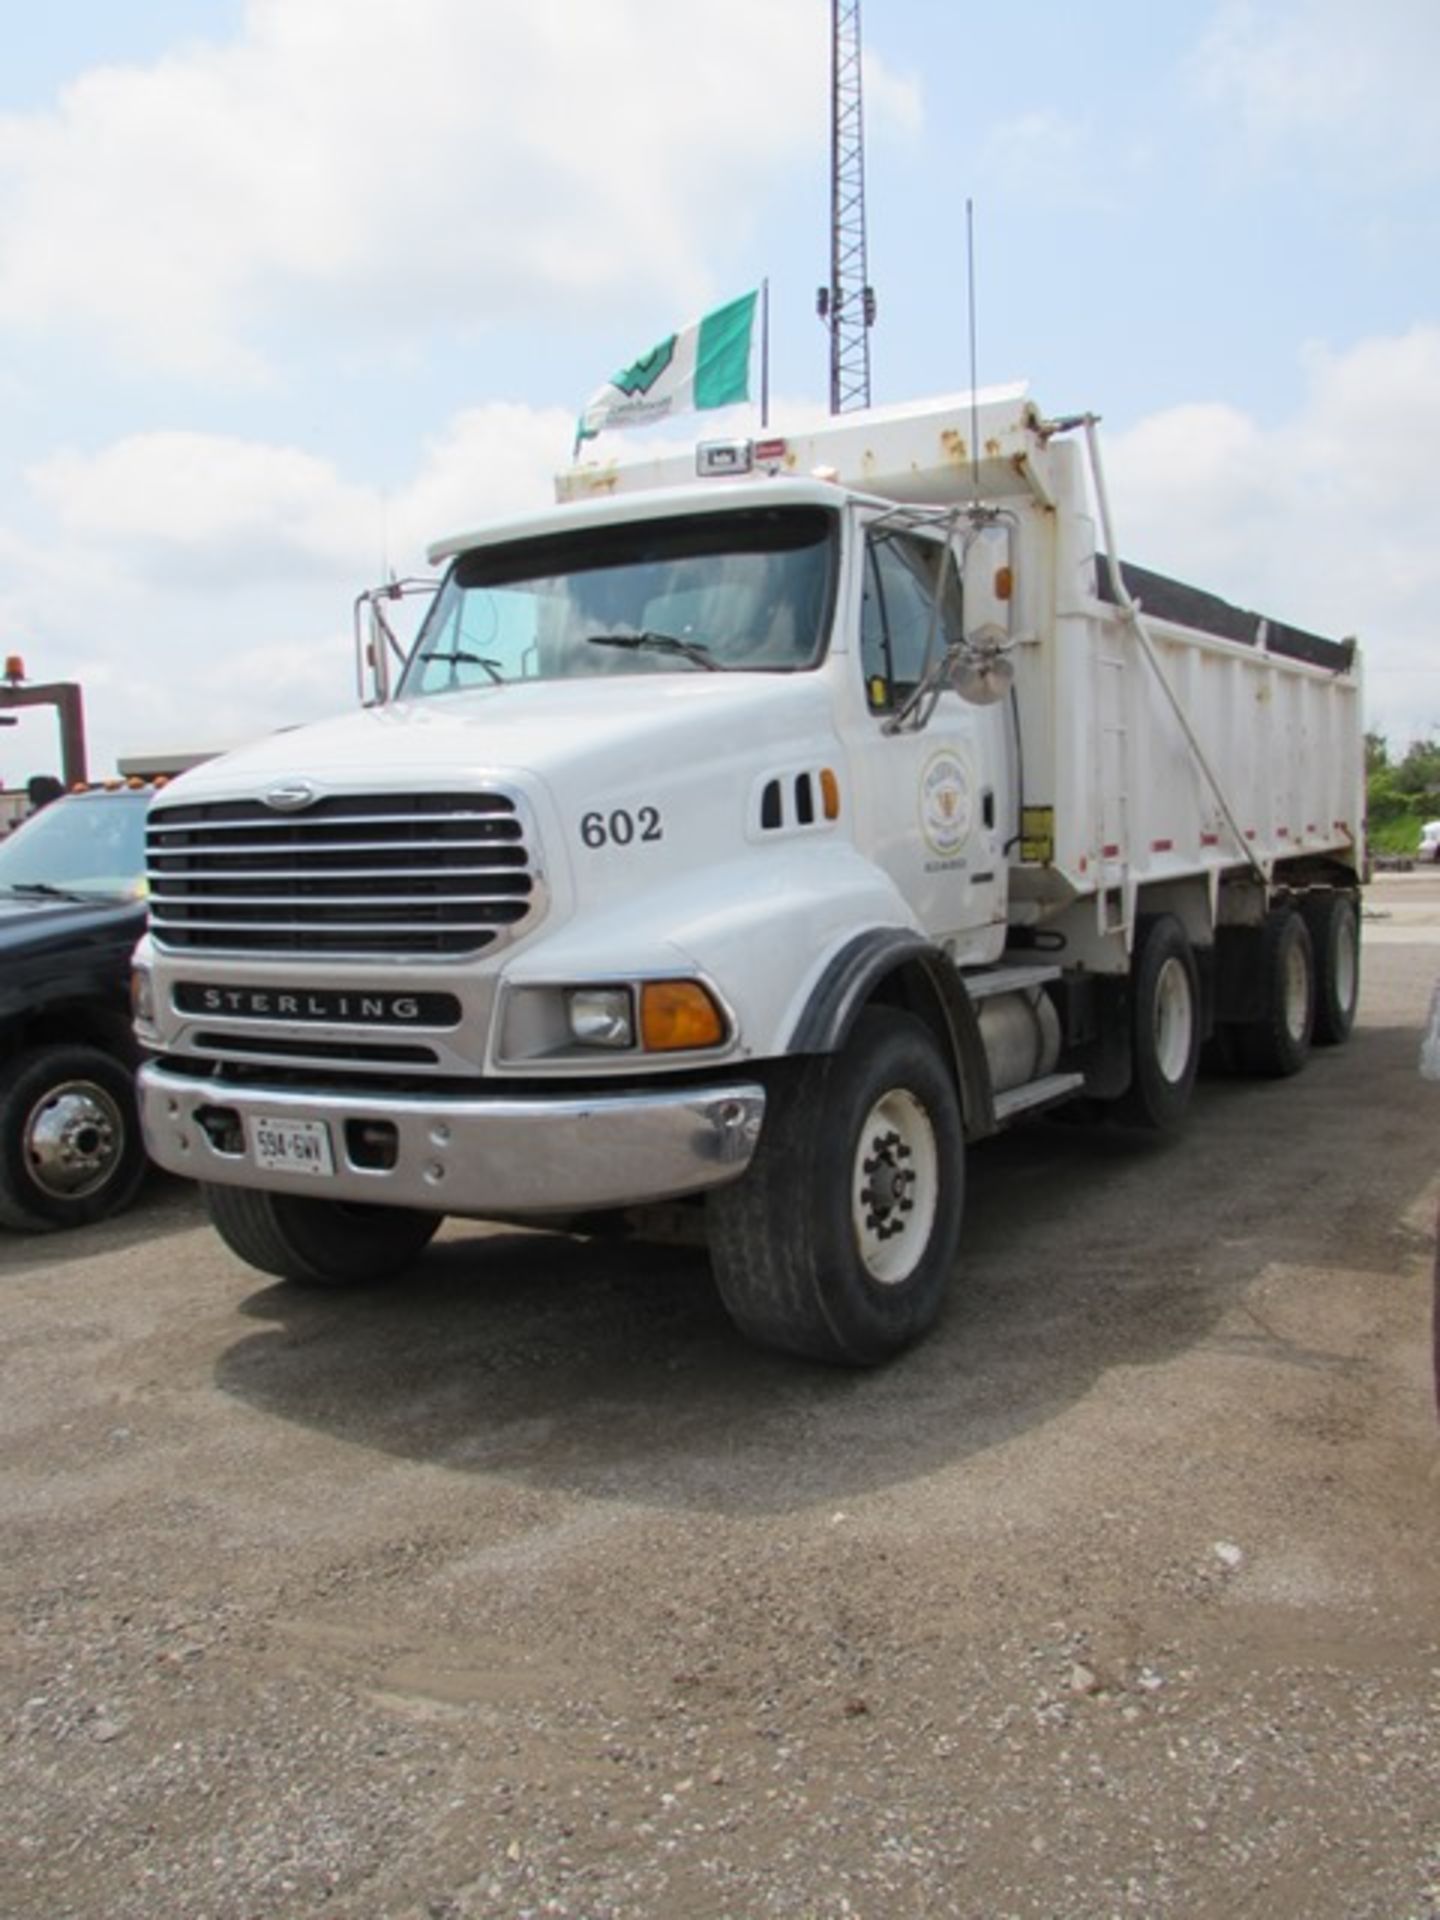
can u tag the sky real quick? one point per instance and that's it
(290, 288)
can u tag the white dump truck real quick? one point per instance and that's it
(741, 841)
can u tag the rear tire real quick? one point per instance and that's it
(1278, 1044)
(70, 1148)
(1164, 1027)
(319, 1243)
(1334, 923)
(839, 1241)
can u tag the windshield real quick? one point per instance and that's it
(91, 843)
(702, 592)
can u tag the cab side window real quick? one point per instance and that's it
(904, 575)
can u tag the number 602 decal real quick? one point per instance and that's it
(620, 827)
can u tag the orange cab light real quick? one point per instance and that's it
(829, 794)
(678, 1014)
(1004, 583)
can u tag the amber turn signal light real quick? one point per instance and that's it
(678, 1014)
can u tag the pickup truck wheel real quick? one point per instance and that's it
(1334, 923)
(839, 1241)
(1278, 1044)
(70, 1150)
(1164, 1026)
(318, 1243)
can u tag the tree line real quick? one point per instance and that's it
(1401, 794)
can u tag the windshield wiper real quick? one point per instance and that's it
(45, 890)
(648, 641)
(460, 658)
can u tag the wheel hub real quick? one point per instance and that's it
(894, 1190)
(1174, 1021)
(1346, 972)
(73, 1140)
(889, 1183)
(1296, 992)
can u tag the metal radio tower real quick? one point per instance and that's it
(847, 305)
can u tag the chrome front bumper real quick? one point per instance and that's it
(535, 1154)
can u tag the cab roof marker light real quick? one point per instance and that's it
(716, 458)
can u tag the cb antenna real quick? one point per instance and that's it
(974, 351)
(847, 304)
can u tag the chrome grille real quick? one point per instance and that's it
(389, 873)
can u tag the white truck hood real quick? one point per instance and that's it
(642, 722)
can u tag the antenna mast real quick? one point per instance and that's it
(847, 305)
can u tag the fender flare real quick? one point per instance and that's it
(853, 979)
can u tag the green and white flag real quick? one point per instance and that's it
(706, 364)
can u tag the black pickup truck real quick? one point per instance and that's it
(72, 907)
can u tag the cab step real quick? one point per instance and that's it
(1036, 1094)
(1010, 977)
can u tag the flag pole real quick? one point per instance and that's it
(765, 352)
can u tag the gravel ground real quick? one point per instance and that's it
(524, 1588)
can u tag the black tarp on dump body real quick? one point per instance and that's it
(1166, 599)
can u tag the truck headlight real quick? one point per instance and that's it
(562, 1023)
(601, 1016)
(142, 997)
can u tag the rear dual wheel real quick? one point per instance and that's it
(1164, 1026)
(1277, 1044)
(1333, 921)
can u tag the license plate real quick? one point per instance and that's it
(291, 1146)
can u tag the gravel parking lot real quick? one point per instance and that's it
(524, 1588)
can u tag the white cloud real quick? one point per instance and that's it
(488, 463)
(1043, 157)
(199, 586)
(410, 163)
(893, 100)
(212, 510)
(1324, 83)
(1329, 520)
(209, 506)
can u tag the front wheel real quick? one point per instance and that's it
(318, 1243)
(838, 1243)
(70, 1150)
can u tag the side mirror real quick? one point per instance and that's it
(379, 653)
(981, 670)
(989, 582)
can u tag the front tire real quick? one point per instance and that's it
(839, 1241)
(318, 1243)
(70, 1148)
